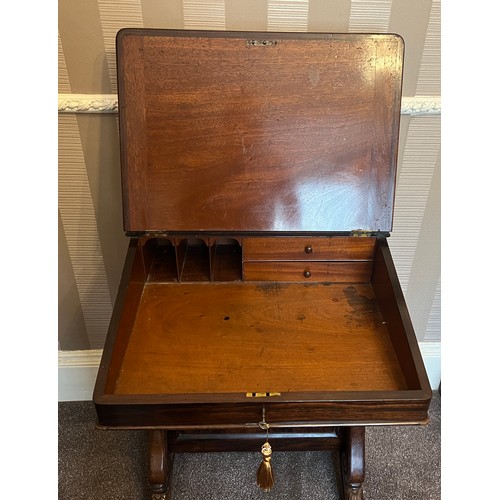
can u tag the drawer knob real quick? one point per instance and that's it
(307, 273)
(308, 249)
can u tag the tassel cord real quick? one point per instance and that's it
(265, 478)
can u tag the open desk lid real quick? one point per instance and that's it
(224, 131)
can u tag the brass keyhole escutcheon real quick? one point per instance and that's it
(308, 249)
(307, 273)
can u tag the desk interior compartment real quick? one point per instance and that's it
(202, 340)
(191, 259)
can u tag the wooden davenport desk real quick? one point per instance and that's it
(259, 300)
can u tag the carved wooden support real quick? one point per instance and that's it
(353, 463)
(159, 464)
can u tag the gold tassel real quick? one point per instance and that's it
(265, 472)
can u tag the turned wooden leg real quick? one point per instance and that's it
(353, 463)
(159, 464)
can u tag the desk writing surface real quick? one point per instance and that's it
(258, 337)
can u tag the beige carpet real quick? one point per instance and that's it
(402, 463)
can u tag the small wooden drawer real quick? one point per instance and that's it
(309, 248)
(334, 272)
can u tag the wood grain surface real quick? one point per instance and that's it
(310, 248)
(258, 132)
(238, 338)
(332, 272)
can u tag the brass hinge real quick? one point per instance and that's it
(361, 233)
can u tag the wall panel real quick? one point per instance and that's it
(72, 329)
(80, 229)
(208, 15)
(162, 14)
(100, 147)
(84, 47)
(287, 15)
(410, 20)
(429, 78)
(63, 78)
(418, 160)
(329, 15)
(114, 15)
(242, 15)
(370, 16)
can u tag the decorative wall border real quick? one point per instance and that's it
(108, 103)
(88, 103)
(424, 105)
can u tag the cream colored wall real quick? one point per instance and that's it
(91, 241)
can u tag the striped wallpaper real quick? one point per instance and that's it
(92, 245)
